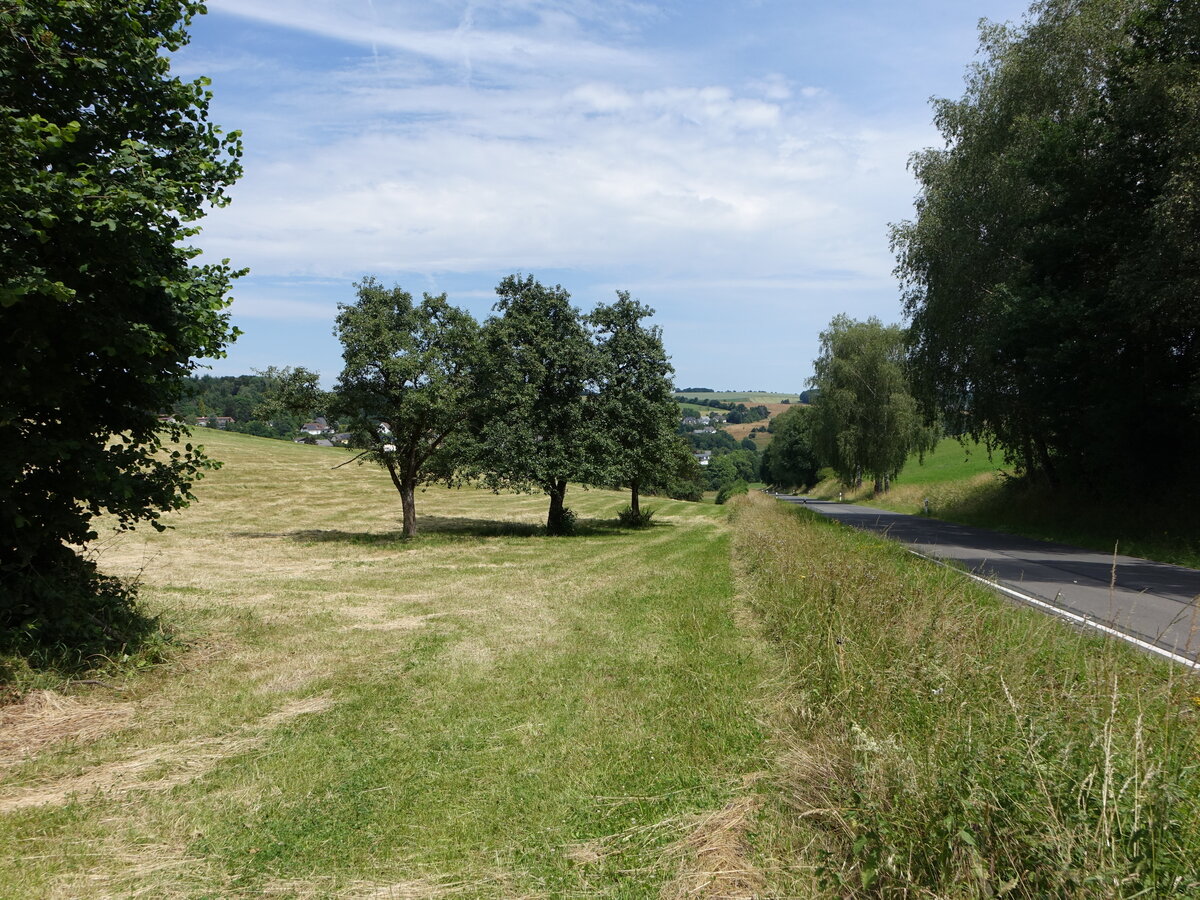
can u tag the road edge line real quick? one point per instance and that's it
(1065, 613)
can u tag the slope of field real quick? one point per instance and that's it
(961, 484)
(484, 712)
(750, 398)
(749, 705)
(950, 470)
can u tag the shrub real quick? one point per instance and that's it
(563, 524)
(630, 519)
(690, 489)
(732, 490)
(69, 616)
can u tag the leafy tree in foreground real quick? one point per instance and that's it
(106, 161)
(791, 460)
(1052, 272)
(540, 423)
(406, 390)
(866, 423)
(634, 405)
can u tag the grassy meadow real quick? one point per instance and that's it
(739, 702)
(485, 712)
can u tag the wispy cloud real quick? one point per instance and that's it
(594, 173)
(444, 141)
(548, 37)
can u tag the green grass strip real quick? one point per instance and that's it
(937, 741)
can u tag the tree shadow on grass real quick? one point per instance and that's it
(446, 529)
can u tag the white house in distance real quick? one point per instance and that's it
(214, 421)
(316, 426)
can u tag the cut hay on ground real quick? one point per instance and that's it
(44, 718)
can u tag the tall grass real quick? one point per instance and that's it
(938, 742)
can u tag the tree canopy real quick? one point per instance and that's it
(540, 424)
(107, 161)
(634, 403)
(791, 460)
(406, 390)
(1051, 273)
(865, 420)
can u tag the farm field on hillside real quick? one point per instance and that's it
(745, 429)
(485, 712)
(750, 398)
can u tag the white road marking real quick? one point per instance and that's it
(1066, 613)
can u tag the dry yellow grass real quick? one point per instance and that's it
(743, 429)
(716, 860)
(178, 763)
(45, 718)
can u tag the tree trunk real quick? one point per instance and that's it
(1047, 463)
(558, 493)
(408, 501)
(633, 498)
(878, 487)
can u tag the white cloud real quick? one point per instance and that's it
(258, 307)
(592, 173)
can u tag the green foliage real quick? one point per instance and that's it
(634, 406)
(740, 414)
(690, 489)
(718, 440)
(1053, 270)
(684, 480)
(865, 420)
(108, 160)
(733, 466)
(241, 397)
(630, 518)
(791, 460)
(539, 425)
(731, 489)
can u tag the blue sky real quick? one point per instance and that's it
(734, 165)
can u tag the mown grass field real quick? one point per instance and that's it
(486, 712)
(750, 398)
(730, 704)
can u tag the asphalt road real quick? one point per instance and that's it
(1153, 604)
